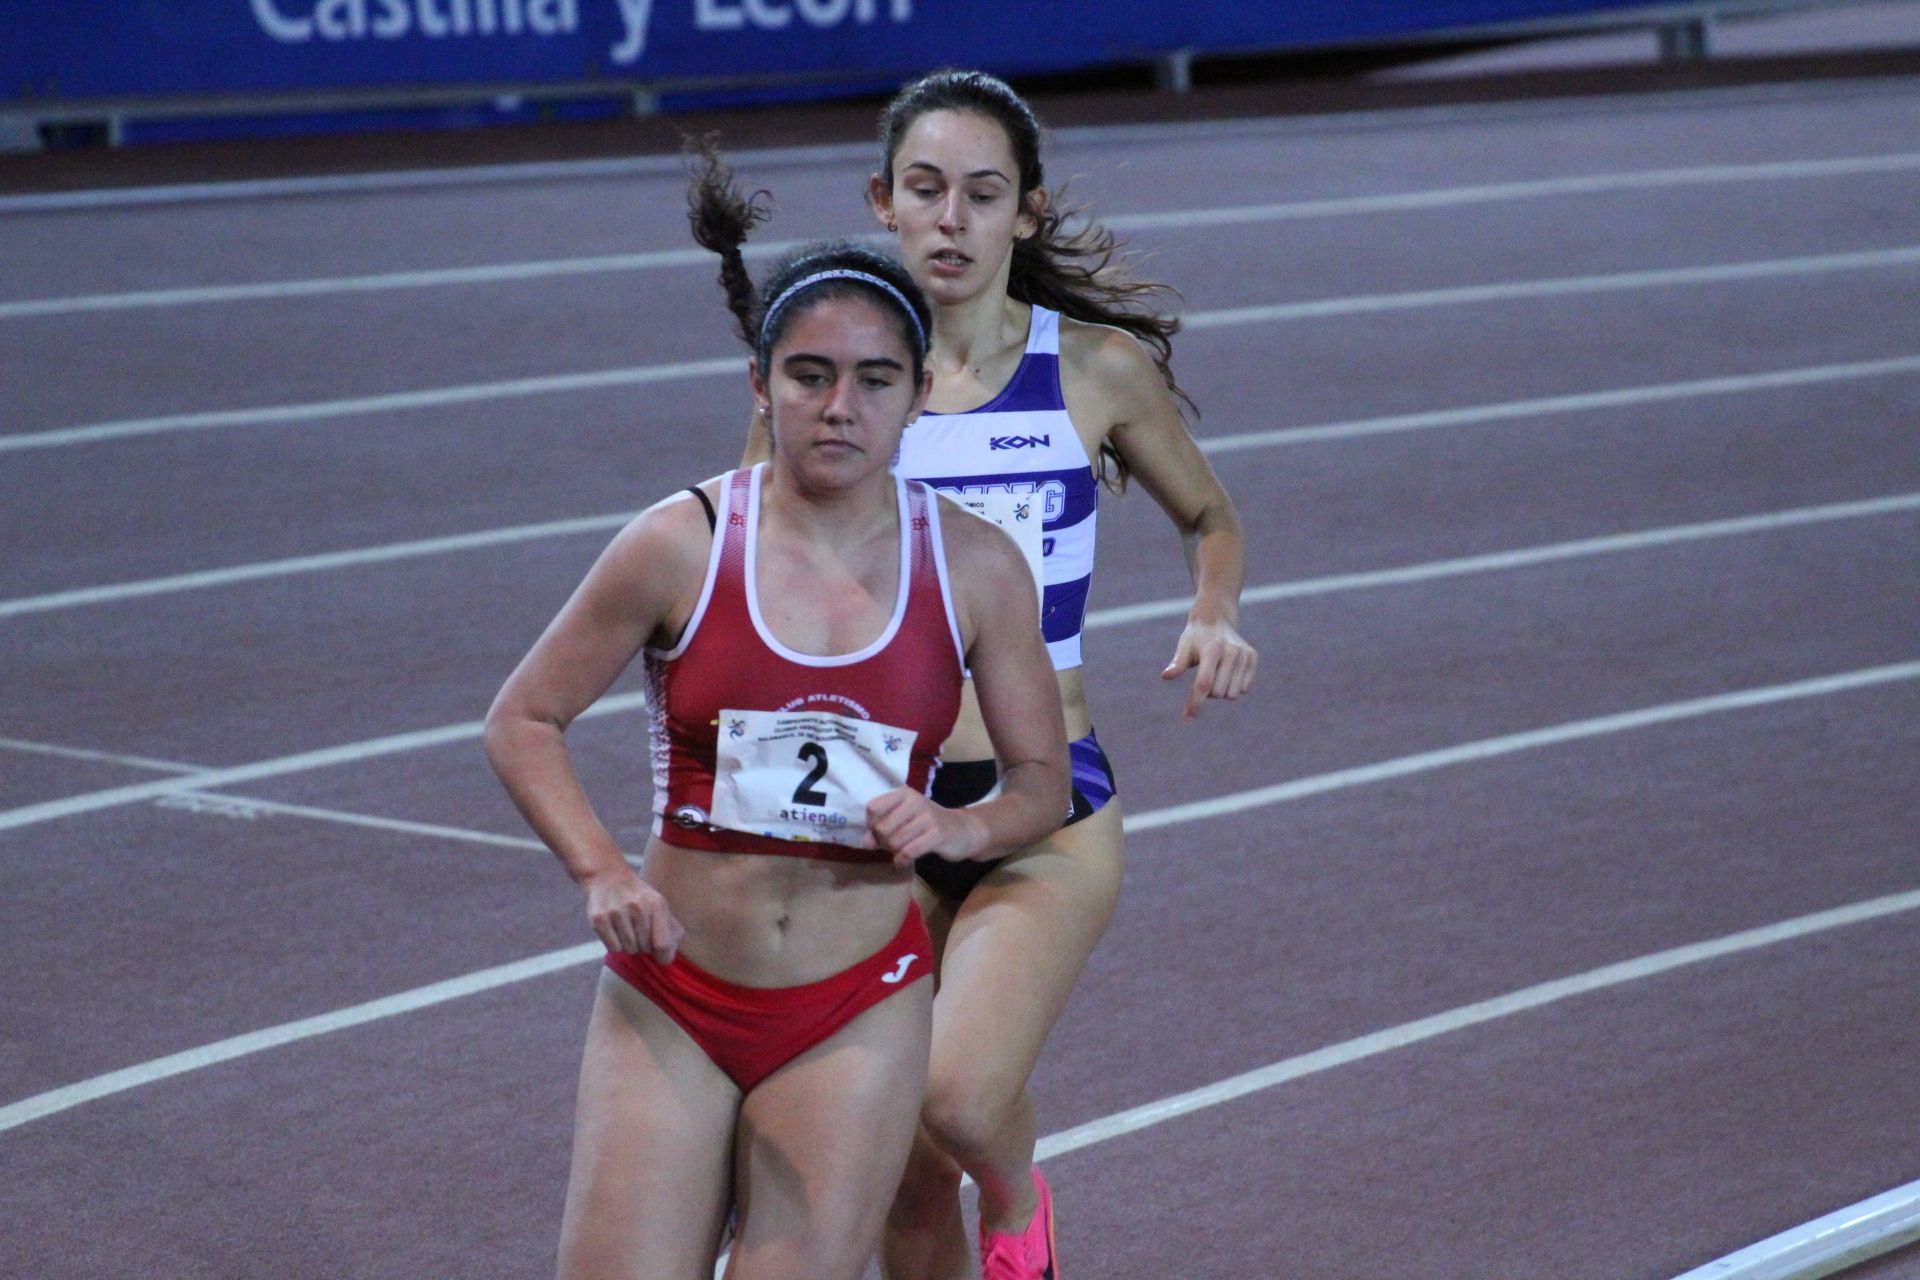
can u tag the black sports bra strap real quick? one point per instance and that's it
(713, 521)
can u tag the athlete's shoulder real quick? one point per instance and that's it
(1110, 379)
(1104, 351)
(672, 533)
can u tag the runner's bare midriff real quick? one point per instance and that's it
(762, 920)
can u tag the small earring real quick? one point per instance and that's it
(892, 225)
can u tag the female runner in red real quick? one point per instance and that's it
(759, 1036)
(1050, 373)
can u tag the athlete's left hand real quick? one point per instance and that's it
(909, 825)
(1226, 663)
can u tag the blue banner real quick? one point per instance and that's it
(83, 49)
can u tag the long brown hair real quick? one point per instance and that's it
(1077, 275)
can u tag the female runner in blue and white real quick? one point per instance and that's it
(1049, 374)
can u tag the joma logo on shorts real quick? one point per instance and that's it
(1019, 442)
(900, 970)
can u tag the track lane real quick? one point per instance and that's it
(1405, 931)
(298, 350)
(215, 294)
(286, 918)
(1494, 142)
(1685, 601)
(1630, 1134)
(349, 892)
(409, 474)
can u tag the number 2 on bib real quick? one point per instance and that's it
(804, 793)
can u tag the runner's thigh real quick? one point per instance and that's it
(652, 1147)
(823, 1142)
(1017, 946)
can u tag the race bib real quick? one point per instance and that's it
(1019, 515)
(804, 775)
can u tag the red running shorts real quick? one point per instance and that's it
(751, 1032)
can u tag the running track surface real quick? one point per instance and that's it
(1743, 516)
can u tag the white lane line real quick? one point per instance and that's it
(1491, 562)
(418, 179)
(1500, 192)
(1521, 290)
(331, 286)
(1580, 402)
(1512, 743)
(108, 757)
(1409, 1033)
(1178, 219)
(431, 398)
(73, 1095)
(1200, 320)
(62, 1099)
(1842, 1239)
(280, 767)
(383, 554)
(1777, 379)
(1117, 616)
(250, 806)
(348, 753)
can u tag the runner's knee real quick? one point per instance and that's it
(966, 1107)
(829, 1242)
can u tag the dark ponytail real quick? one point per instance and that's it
(722, 217)
(1076, 275)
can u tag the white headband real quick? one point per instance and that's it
(845, 273)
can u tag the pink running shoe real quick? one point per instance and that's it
(1028, 1255)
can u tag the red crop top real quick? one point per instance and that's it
(759, 749)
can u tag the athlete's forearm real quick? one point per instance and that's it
(531, 758)
(1217, 559)
(1033, 800)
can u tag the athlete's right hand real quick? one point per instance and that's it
(908, 824)
(628, 914)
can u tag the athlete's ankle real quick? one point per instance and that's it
(1014, 1216)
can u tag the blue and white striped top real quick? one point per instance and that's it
(1021, 442)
